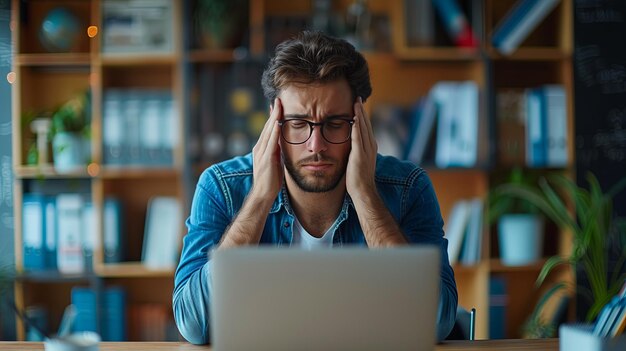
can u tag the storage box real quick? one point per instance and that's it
(580, 337)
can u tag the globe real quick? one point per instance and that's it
(60, 29)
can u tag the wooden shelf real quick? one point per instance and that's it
(48, 171)
(73, 59)
(439, 54)
(138, 59)
(212, 56)
(131, 270)
(497, 266)
(531, 54)
(53, 276)
(115, 172)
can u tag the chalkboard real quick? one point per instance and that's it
(600, 92)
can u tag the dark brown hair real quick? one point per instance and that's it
(313, 57)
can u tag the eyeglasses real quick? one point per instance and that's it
(298, 131)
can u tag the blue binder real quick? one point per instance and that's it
(33, 232)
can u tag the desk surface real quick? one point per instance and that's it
(478, 345)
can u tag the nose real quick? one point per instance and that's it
(316, 142)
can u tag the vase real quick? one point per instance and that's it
(521, 239)
(70, 152)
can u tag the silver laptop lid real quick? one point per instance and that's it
(269, 298)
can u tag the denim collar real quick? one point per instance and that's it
(282, 200)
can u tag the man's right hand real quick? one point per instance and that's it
(268, 167)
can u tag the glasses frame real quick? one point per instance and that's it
(313, 124)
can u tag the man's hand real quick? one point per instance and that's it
(362, 161)
(268, 174)
(268, 167)
(379, 227)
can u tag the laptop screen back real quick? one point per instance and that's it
(341, 299)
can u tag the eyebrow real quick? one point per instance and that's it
(302, 116)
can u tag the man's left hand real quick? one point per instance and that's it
(362, 160)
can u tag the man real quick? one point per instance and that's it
(314, 179)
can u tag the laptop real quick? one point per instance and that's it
(269, 298)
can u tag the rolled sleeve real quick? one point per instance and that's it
(423, 224)
(192, 281)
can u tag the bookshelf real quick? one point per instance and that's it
(205, 79)
(46, 78)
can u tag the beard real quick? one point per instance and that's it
(317, 182)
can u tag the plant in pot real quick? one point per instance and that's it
(70, 133)
(587, 215)
(220, 24)
(520, 223)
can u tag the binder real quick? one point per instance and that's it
(114, 314)
(555, 113)
(455, 229)
(457, 128)
(33, 230)
(113, 152)
(456, 23)
(51, 233)
(89, 234)
(523, 17)
(112, 225)
(424, 117)
(70, 258)
(162, 232)
(84, 299)
(535, 129)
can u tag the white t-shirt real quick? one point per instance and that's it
(304, 240)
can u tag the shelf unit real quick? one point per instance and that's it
(202, 78)
(46, 79)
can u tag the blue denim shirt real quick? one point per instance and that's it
(405, 189)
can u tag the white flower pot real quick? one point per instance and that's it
(521, 239)
(70, 151)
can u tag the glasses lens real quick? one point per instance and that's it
(296, 131)
(336, 131)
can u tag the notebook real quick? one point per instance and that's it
(270, 298)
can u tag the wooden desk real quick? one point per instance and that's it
(478, 345)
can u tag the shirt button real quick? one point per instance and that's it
(286, 224)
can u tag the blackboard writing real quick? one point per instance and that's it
(600, 92)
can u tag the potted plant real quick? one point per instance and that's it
(70, 133)
(220, 24)
(594, 230)
(520, 223)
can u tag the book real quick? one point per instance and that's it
(511, 127)
(114, 314)
(419, 23)
(84, 299)
(520, 21)
(150, 126)
(70, 258)
(472, 246)
(455, 229)
(89, 234)
(114, 152)
(162, 232)
(112, 227)
(51, 232)
(424, 115)
(33, 229)
(456, 23)
(498, 301)
(535, 129)
(554, 111)
(457, 127)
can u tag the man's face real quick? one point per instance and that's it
(317, 165)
